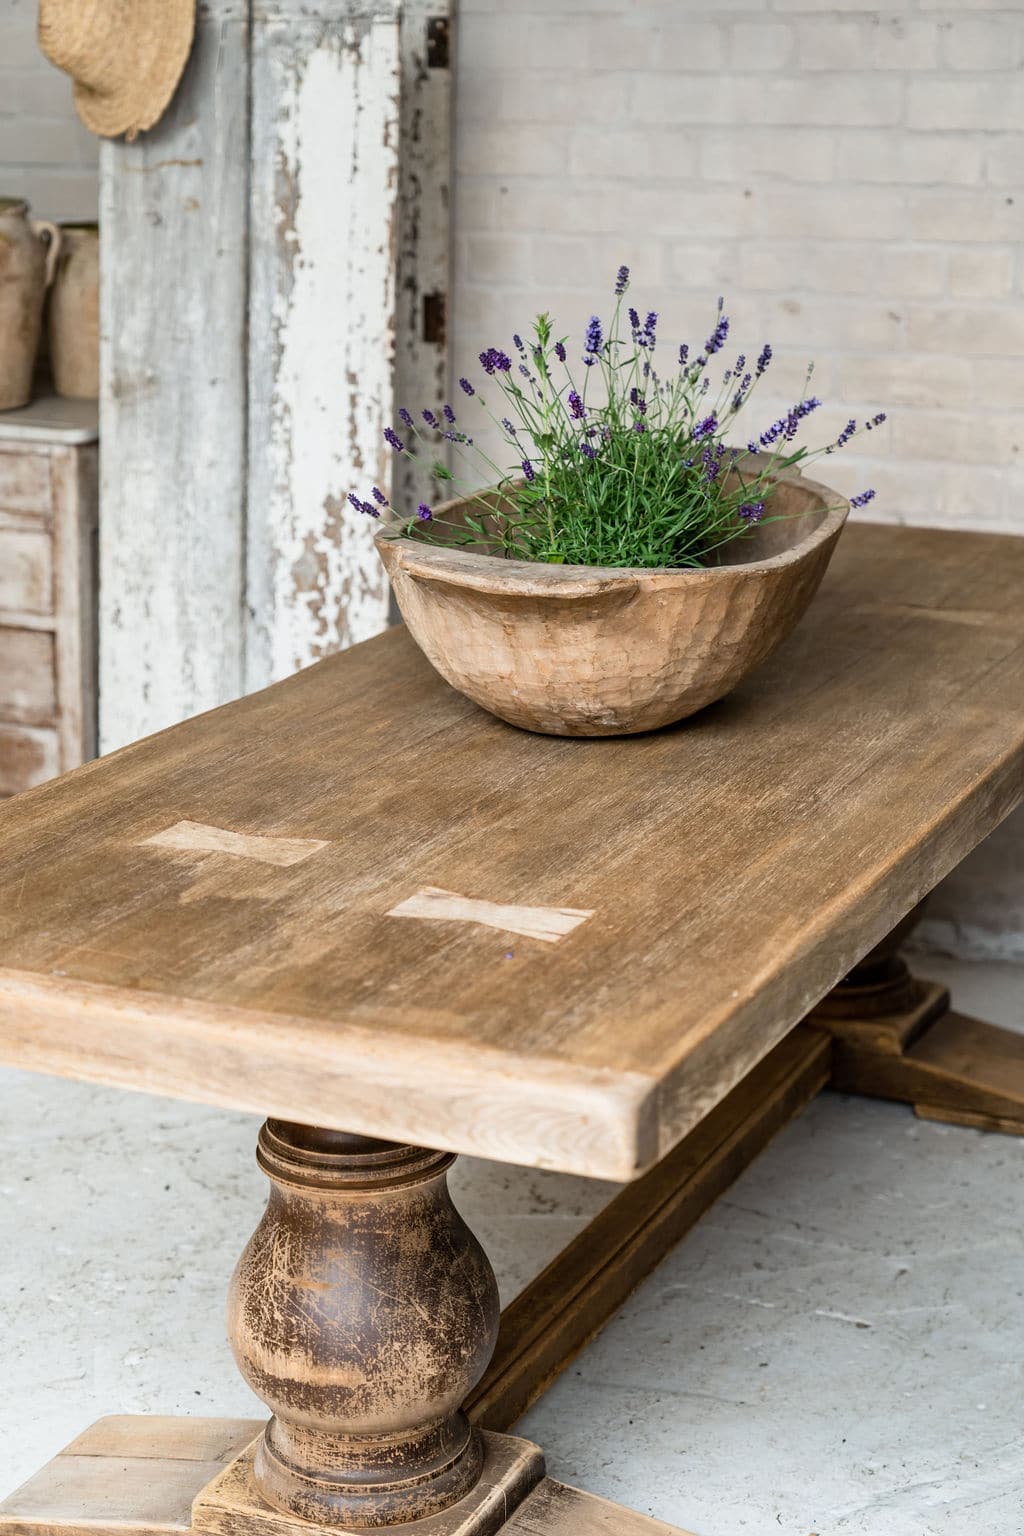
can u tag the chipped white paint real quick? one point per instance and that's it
(196, 837)
(299, 176)
(173, 209)
(424, 247)
(325, 145)
(547, 923)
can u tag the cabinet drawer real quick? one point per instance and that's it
(26, 570)
(28, 679)
(27, 757)
(24, 481)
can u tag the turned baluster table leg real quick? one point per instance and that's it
(362, 1312)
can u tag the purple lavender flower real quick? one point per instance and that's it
(716, 341)
(862, 499)
(576, 407)
(424, 513)
(786, 426)
(711, 459)
(705, 428)
(639, 426)
(431, 420)
(509, 428)
(741, 363)
(366, 507)
(650, 325)
(449, 415)
(466, 387)
(684, 353)
(560, 351)
(751, 511)
(403, 415)
(741, 393)
(876, 421)
(621, 281)
(593, 341)
(529, 474)
(517, 342)
(588, 450)
(495, 361)
(844, 436)
(392, 437)
(634, 320)
(764, 359)
(379, 497)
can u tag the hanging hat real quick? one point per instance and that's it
(125, 57)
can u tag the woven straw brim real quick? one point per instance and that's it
(125, 57)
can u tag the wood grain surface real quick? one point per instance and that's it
(737, 866)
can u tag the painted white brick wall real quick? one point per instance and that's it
(850, 176)
(46, 155)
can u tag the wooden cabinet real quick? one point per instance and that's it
(48, 521)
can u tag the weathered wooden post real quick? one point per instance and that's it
(275, 268)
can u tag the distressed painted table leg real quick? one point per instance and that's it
(363, 1312)
(896, 1037)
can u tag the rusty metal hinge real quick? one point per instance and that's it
(438, 43)
(435, 314)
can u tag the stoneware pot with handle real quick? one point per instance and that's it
(74, 313)
(28, 256)
(599, 651)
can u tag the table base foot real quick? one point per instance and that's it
(135, 1476)
(896, 1037)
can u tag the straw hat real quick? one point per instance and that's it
(125, 56)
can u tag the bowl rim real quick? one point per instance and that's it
(486, 573)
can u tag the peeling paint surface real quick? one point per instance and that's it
(322, 327)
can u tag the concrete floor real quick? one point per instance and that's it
(838, 1348)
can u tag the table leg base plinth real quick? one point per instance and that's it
(136, 1476)
(902, 1041)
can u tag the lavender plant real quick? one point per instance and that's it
(614, 462)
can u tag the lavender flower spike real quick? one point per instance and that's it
(424, 513)
(560, 351)
(705, 428)
(863, 499)
(392, 437)
(751, 511)
(379, 497)
(529, 474)
(363, 506)
(716, 341)
(466, 387)
(449, 415)
(576, 408)
(431, 420)
(764, 359)
(621, 281)
(495, 361)
(594, 339)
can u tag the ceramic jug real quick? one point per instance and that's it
(28, 257)
(74, 313)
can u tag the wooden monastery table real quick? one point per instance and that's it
(362, 906)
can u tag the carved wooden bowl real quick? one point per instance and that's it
(588, 651)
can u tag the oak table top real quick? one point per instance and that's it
(358, 901)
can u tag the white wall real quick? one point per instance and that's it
(46, 155)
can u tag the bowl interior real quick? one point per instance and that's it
(795, 509)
